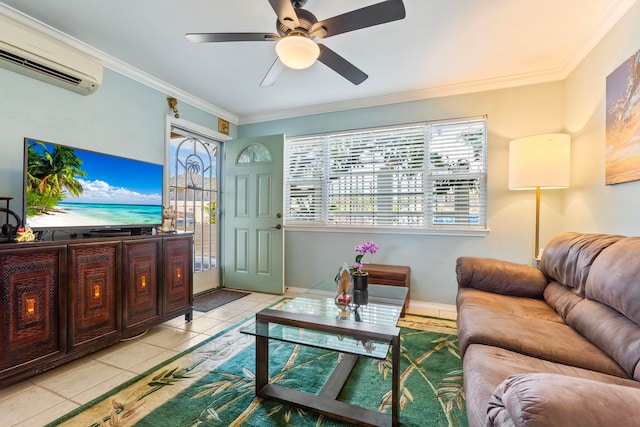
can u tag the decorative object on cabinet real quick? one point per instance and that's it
(10, 231)
(168, 220)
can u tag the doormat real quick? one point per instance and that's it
(215, 299)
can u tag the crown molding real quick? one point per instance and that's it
(119, 66)
(609, 19)
(607, 22)
(133, 73)
(414, 95)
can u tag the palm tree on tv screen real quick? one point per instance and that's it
(49, 174)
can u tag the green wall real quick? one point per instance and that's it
(122, 117)
(592, 206)
(312, 256)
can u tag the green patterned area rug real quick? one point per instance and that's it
(212, 384)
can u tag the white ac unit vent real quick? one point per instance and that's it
(28, 51)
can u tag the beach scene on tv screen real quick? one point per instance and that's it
(71, 187)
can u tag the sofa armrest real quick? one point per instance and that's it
(501, 277)
(559, 400)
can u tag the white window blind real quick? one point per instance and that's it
(422, 175)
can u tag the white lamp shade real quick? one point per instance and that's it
(540, 161)
(297, 51)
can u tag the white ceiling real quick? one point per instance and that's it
(442, 47)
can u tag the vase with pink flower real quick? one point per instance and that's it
(359, 273)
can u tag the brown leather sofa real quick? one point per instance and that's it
(557, 345)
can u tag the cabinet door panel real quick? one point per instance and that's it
(94, 293)
(141, 288)
(178, 270)
(31, 301)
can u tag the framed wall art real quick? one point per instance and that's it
(622, 158)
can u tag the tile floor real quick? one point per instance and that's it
(46, 397)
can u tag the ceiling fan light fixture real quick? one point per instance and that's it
(297, 51)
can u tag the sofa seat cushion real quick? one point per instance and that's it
(552, 341)
(486, 367)
(531, 307)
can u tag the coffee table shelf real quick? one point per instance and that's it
(362, 339)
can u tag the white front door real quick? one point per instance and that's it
(253, 203)
(192, 175)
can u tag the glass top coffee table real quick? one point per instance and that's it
(315, 319)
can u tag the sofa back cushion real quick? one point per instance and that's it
(615, 278)
(568, 257)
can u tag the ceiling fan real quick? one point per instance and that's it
(297, 28)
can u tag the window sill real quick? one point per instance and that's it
(477, 232)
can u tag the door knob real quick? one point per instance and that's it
(277, 227)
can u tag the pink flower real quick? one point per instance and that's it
(362, 250)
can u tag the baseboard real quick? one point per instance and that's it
(295, 290)
(433, 309)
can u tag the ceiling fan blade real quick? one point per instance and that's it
(341, 66)
(273, 73)
(231, 37)
(379, 13)
(286, 13)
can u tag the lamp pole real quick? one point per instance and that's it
(537, 238)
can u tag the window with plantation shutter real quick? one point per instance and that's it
(425, 175)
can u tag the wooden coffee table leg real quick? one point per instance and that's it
(395, 380)
(262, 360)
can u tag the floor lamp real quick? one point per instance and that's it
(539, 162)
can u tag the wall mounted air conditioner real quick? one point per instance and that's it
(28, 51)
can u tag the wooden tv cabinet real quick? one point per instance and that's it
(60, 300)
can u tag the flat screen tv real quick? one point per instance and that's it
(67, 187)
